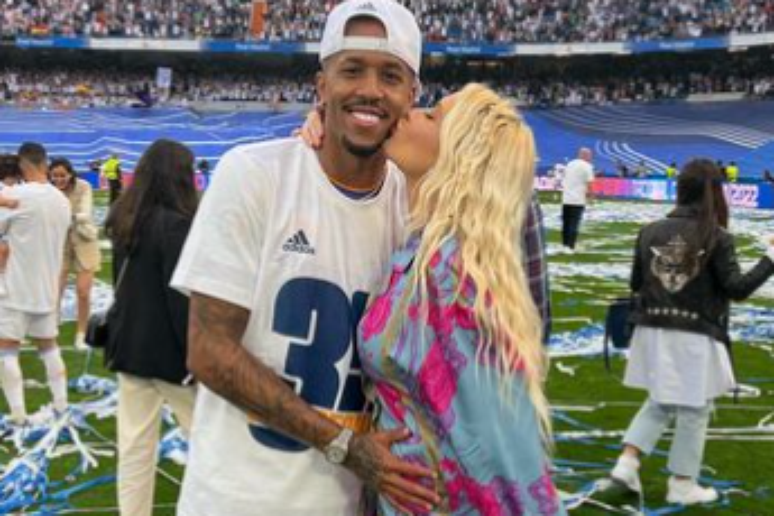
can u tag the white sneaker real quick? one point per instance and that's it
(626, 472)
(569, 250)
(689, 492)
(80, 342)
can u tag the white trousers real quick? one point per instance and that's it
(687, 449)
(140, 401)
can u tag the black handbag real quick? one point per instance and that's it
(97, 329)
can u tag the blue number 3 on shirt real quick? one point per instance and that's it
(321, 322)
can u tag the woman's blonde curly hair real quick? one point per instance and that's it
(479, 193)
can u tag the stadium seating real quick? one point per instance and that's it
(54, 88)
(656, 134)
(441, 20)
(661, 134)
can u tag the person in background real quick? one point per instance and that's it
(10, 171)
(36, 231)
(768, 177)
(684, 277)
(148, 343)
(722, 167)
(622, 169)
(576, 189)
(732, 172)
(10, 176)
(671, 171)
(81, 253)
(641, 170)
(111, 171)
(204, 170)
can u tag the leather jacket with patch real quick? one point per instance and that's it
(683, 290)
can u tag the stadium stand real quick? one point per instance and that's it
(441, 20)
(134, 18)
(96, 89)
(59, 79)
(90, 88)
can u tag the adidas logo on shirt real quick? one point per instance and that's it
(298, 243)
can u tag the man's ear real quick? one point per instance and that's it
(416, 92)
(321, 87)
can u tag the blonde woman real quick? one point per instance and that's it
(82, 253)
(453, 343)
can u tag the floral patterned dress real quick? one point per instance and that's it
(480, 438)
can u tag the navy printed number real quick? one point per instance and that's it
(322, 324)
(353, 398)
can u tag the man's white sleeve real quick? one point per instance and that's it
(6, 216)
(221, 255)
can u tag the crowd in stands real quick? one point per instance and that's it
(95, 89)
(551, 21)
(541, 21)
(560, 93)
(186, 19)
(62, 89)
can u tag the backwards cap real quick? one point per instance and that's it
(404, 39)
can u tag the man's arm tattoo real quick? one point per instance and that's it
(218, 359)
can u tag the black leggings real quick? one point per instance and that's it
(115, 189)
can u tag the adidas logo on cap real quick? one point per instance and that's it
(368, 6)
(298, 243)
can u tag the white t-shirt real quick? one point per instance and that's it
(35, 232)
(577, 175)
(273, 235)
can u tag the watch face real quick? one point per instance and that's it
(336, 455)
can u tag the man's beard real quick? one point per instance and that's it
(362, 151)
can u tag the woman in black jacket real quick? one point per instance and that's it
(148, 226)
(685, 275)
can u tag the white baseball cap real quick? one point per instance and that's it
(404, 39)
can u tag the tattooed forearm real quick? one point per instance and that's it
(218, 359)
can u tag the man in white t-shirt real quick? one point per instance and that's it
(35, 233)
(576, 189)
(285, 248)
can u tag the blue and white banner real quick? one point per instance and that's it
(469, 49)
(255, 47)
(677, 45)
(473, 49)
(52, 42)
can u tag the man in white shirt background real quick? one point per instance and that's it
(35, 232)
(576, 191)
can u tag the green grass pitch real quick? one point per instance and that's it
(581, 385)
